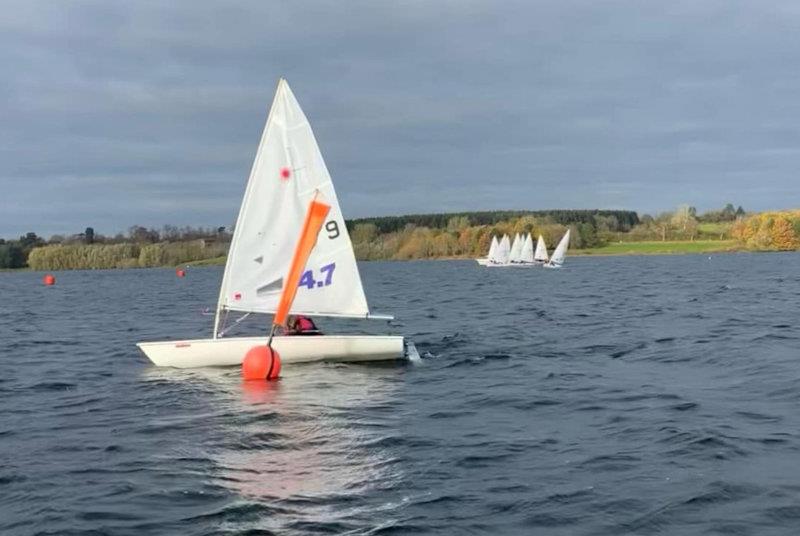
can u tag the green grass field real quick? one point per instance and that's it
(661, 248)
(715, 229)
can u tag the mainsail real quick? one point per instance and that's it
(492, 248)
(503, 249)
(287, 173)
(541, 251)
(561, 251)
(516, 249)
(527, 250)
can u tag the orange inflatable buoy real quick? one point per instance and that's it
(180, 273)
(261, 363)
(49, 280)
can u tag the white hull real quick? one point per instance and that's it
(294, 349)
(487, 262)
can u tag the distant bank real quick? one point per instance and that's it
(439, 236)
(672, 247)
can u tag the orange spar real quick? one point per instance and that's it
(315, 217)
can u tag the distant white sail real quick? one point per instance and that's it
(503, 251)
(527, 250)
(541, 251)
(492, 248)
(561, 251)
(287, 173)
(516, 249)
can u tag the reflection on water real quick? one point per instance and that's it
(317, 439)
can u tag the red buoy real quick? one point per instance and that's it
(180, 273)
(49, 280)
(261, 363)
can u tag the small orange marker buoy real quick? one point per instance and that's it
(180, 273)
(49, 280)
(261, 363)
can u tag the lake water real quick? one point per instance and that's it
(628, 395)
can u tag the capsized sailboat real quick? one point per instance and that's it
(540, 257)
(560, 253)
(287, 174)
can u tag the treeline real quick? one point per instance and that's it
(457, 239)
(620, 220)
(106, 256)
(769, 230)
(469, 234)
(466, 234)
(174, 245)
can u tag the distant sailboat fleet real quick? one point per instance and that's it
(520, 252)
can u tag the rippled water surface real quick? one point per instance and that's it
(631, 395)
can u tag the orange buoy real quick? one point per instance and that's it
(49, 280)
(261, 363)
(180, 273)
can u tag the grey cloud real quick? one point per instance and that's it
(116, 114)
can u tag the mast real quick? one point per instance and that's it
(237, 229)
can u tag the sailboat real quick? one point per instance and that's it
(516, 249)
(501, 254)
(540, 257)
(288, 174)
(557, 260)
(491, 254)
(526, 255)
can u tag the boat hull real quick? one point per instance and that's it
(296, 349)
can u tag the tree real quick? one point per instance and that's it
(30, 241)
(457, 223)
(729, 213)
(11, 256)
(142, 235)
(663, 222)
(88, 236)
(783, 236)
(684, 219)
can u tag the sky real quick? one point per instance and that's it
(116, 113)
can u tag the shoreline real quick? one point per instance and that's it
(624, 249)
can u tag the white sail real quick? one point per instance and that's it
(492, 248)
(527, 250)
(561, 251)
(516, 249)
(287, 173)
(541, 251)
(503, 250)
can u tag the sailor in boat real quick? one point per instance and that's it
(301, 325)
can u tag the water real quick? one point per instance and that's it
(639, 395)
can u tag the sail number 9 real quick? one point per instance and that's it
(333, 229)
(307, 279)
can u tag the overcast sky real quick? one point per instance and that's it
(121, 113)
